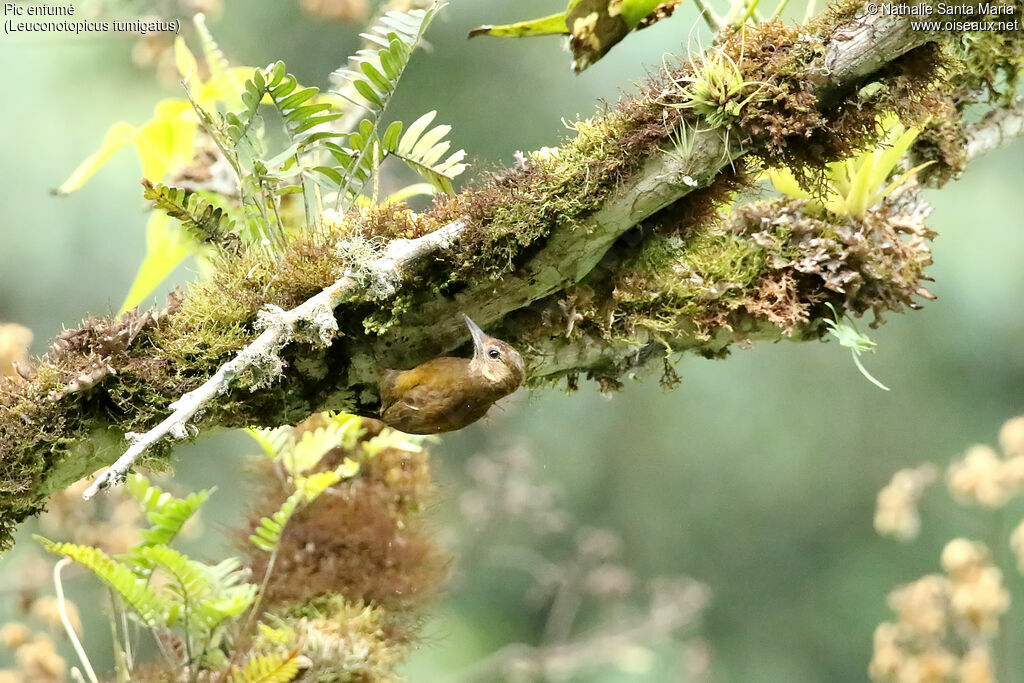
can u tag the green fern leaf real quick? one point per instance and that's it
(374, 73)
(192, 583)
(300, 113)
(423, 150)
(368, 83)
(204, 221)
(272, 441)
(268, 533)
(215, 59)
(209, 595)
(166, 514)
(272, 668)
(152, 608)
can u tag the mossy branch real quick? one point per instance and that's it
(593, 258)
(312, 321)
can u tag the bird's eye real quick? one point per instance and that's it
(494, 353)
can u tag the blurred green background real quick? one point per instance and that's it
(757, 476)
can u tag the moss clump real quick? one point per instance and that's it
(989, 63)
(510, 214)
(800, 124)
(345, 641)
(364, 539)
(768, 265)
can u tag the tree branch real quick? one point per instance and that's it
(315, 317)
(999, 128)
(585, 259)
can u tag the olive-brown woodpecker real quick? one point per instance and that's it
(445, 394)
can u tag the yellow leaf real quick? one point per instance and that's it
(167, 142)
(553, 24)
(786, 183)
(188, 67)
(166, 247)
(119, 135)
(862, 181)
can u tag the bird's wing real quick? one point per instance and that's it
(422, 409)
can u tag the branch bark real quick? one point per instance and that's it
(999, 128)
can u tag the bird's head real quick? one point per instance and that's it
(497, 361)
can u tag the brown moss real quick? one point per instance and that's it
(363, 538)
(799, 125)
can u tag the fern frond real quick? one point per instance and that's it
(238, 127)
(312, 446)
(204, 221)
(191, 577)
(215, 59)
(272, 441)
(268, 533)
(369, 84)
(300, 111)
(152, 608)
(374, 73)
(272, 668)
(208, 595)
(392, 438)
(166, 513)
(423, 150)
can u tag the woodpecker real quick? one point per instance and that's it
(446, 394)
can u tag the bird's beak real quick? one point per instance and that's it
(479, 338)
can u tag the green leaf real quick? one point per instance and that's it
(207, 595)
(204, 222)
(120, 135)
(268, 533)
(413, 133)
(423, 151)
(553, 24)
(595, 25)
(135, 590)
(391, 136)
(166, 513)
(369, 94)
(848, 336)
(369, 81)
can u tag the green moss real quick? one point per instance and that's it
(512, 213)
(989, 63)
(767, 265)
